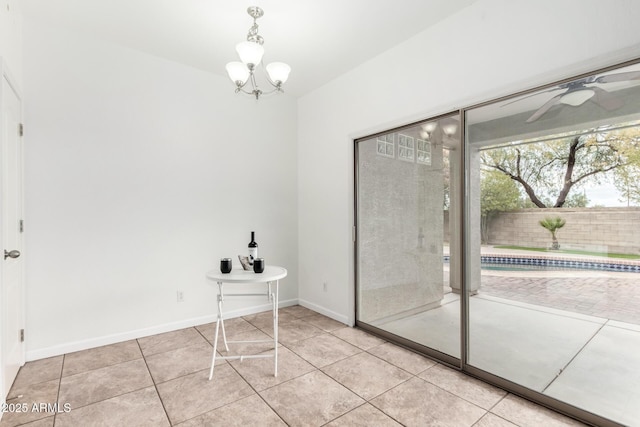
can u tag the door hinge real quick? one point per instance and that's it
(22, 226)
(353, 233)
(21, 129)
(21, 335)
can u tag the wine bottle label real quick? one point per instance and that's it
(253, 254)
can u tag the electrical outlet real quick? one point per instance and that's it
(324, 286)
(180, 296)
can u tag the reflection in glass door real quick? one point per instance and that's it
(407, 234)
(553, 253)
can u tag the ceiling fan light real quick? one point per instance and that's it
(278, 72)
(250, 53)
(577, 97)
(238, 72)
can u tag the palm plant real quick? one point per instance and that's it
(553, 224)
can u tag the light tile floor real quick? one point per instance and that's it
(586, 361)
(328, 374)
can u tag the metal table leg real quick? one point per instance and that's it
(218, 323)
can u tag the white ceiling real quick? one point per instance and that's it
(320, 39)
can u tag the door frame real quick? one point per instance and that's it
(6, 75)
(465, 272)
(446, 359)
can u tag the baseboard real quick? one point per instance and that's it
(71, 347)
(329, 313)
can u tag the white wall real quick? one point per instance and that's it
(11, 39)
(140, 175)
(490, 49)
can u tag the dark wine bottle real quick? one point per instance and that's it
(253, 248)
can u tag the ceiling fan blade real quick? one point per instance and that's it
(550, 103)
(532, 94)
(619, 77)
(605, 99)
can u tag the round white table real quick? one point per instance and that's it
(271, 274)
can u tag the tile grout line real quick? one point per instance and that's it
(64, 357)
(101, 400)
(368, 401)
(257, 393)
(316, 369)
(399, 367)
(417, 376)
(392, 388)
(155, 386)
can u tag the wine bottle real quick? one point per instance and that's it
(253, 248)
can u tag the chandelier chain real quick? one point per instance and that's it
(252, 35)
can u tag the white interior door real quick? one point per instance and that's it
(12, 269)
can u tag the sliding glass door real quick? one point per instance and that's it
(553, 243)
(408, 235)
(530, 281)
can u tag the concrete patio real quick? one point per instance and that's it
(586, 360)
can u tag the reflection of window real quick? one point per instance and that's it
(405, 147)
(385, 145)
(423, 151)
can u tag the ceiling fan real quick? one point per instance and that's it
(578, 92)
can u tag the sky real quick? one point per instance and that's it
(604, 194)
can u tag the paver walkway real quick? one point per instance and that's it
(615, 297)
(609, 295)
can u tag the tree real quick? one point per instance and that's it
(627, 179)
(576, 200)
(549, 171)
(553, 225)
(498, 193)
(627, 182)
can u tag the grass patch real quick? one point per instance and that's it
(571, 252)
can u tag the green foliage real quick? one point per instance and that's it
(627, 179)
(576, 252)
(498, 193)
(627, 182)
(576, 200)
(553, 224)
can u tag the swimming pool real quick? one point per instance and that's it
(520, 263)
(521, 267)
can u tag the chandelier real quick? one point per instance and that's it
(250, 53)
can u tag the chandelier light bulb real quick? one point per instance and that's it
(278, 72)
(250, 53)
(238, 73)
(450, 129)
(243, 74)
(429, 127)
